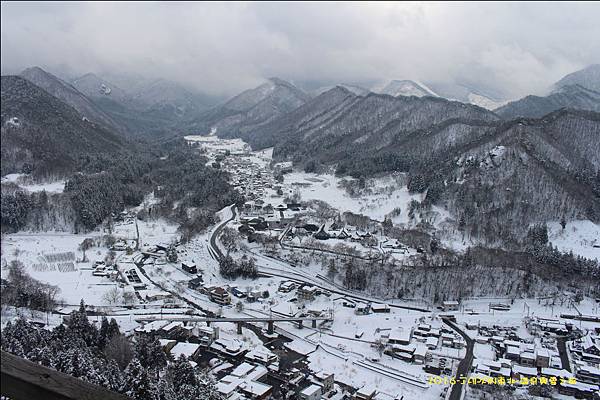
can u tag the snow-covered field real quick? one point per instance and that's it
(24, 181)
(75, 283)
(387, 195)
(580, 237)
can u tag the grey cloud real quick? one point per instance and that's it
(222, 48)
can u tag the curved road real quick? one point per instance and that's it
(295, 276)
(216, 232)
(464, 367)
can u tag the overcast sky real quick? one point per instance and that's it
(222, 48)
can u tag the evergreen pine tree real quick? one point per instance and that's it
(137, 384)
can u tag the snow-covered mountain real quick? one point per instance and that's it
(70, 95)
(357, 90)
(407, 88)
(273, 87)
(252, 108)
(44, 134)
(172, 98)
(462, 93)
(484, 101)
(578, 90)
(94, 86)
(468, 92)
(588, 77)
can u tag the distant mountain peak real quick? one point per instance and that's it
(588, 77)
(70, 95)
(407, 87)
(33, 69)
(279, 81)
(355, 89)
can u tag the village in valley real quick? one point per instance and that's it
(257, 298)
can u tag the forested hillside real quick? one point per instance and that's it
(70, 95)
(44, 136)
(495, 177)
(526, 172)
(107, 183)
(250, 110)
(571, 96)
(353, 125)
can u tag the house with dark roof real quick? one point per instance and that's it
(322, 234)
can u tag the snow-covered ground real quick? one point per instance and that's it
(343, 347)
(387, 195)
(580, 237)
(25, 182)
(216, 144)
(74, 278)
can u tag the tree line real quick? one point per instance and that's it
(137, 368)
(189, 191)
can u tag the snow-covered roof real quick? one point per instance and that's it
(164, 342)
(366, 391)
(322, 375)
(584, 387)
(242, 369)
(152, 326)
(172, 325)
(420, 350)
(311, 390)
(556, 372)
(260, 354)
(528, 355)
(590, 370)
(255, 388)
(400, 335)
(378, 306)
(186, 349)
(450, 303)
(525, 370)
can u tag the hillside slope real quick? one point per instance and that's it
(358, 125)
(71, 96)
(519, 173)
(251, 109)
(44, 135)
(571, 96)
(588, 77)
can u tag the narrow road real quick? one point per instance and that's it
(266, 271)
(217, 231)
(464, 367)
(561, 343)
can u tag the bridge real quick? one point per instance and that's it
(240, 321)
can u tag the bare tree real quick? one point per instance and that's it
(87, 244)
(112, 296)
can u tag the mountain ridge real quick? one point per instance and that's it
(44, 135)
(70, 95)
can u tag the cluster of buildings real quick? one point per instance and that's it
(258, 216)
(585, 356)
(173, 333)
(418, 345)
(250, 178)
(241, 373)
(525, 359)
